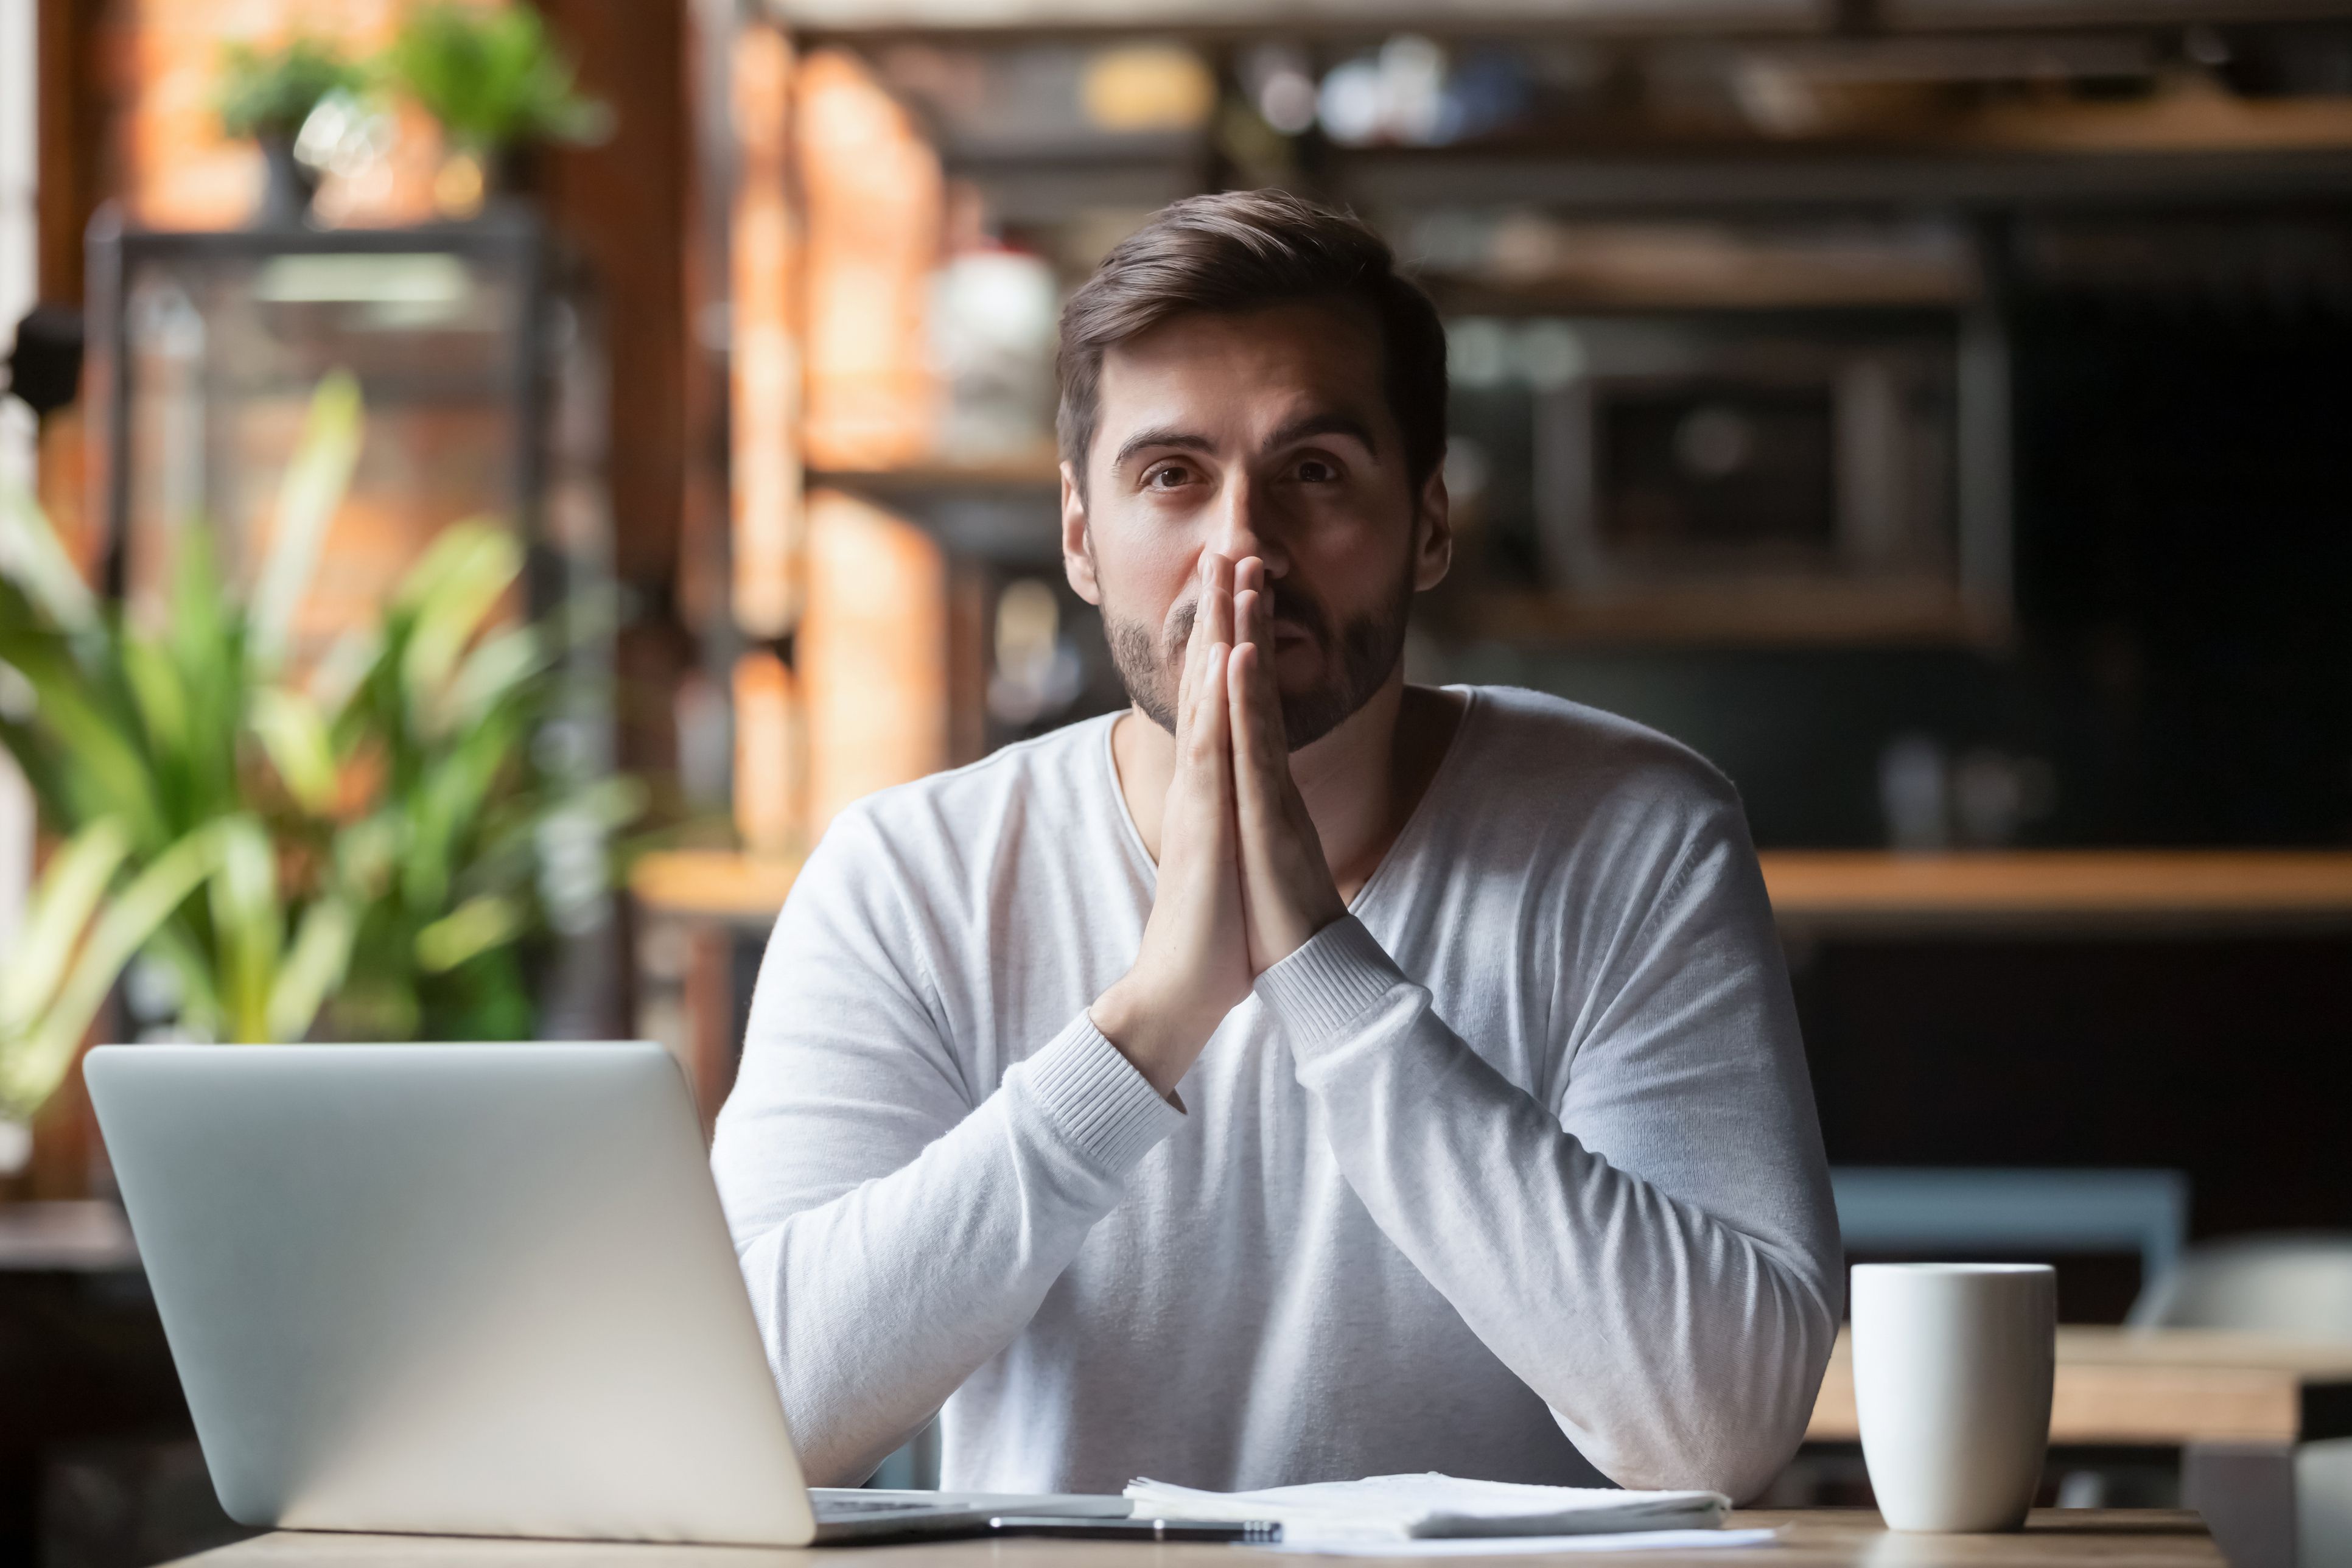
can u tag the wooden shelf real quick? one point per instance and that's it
(1860, 889)
(1346, 17)
(1040, 471)
(82, 1236)
(712, 884)
(2161, 1387)
(2090, 889)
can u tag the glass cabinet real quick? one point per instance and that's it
(477, 354)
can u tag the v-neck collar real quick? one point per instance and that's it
(1413, 828)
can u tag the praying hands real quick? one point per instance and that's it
(1242, 881)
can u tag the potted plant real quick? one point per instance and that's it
(368, 848)
(267, 94)
(496, 84)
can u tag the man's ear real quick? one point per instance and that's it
(1432, 532)
(1077, 551)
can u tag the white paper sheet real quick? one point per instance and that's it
(1308, 1545)
(1439, 1506)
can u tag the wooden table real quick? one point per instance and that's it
(2241, 1409)
(1812, 1538)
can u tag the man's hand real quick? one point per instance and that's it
(1193, 966)
(1288, 893)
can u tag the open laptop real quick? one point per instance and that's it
(468, 1290)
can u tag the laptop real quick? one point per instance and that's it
(480, 1289)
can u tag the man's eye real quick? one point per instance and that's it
(1316, 472)
(1166, 476)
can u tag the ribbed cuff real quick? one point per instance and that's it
(1109, 1111)
(1332, 981)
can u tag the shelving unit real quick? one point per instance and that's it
(1889, 151)
(2182, 145)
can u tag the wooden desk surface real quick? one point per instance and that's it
(2162, 1388)
(1812, 1538)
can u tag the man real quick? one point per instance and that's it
(1301, 1076)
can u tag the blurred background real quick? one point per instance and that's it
(1934, 411)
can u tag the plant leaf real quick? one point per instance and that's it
(294, 736)
(111, 770)
(471, 929)
(31, 1071)
(248, 926)
(314, 965)
(155, 686)
(307, 499)
(207, 642)
(68, 894)
(491, 672)
(200, 1006)
(458, 582)
(32, 555)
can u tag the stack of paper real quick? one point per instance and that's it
(1406, 1508)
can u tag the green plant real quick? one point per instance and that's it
(492, 77)
(270, 92)
(366, 849)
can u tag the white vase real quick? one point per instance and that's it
(15, 1146)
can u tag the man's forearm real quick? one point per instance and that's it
(1675, 1348)
(874, 1307)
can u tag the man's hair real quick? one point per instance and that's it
(1243, 251)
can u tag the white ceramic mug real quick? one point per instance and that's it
(1952, 1367)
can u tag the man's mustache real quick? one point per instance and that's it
(1290, 608)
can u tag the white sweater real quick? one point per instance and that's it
(1521, 1155)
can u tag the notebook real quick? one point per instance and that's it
(1406, 1508)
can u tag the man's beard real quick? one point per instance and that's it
(1369, 647)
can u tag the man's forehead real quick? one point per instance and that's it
(1234, 373)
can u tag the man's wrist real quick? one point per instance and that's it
(1154, 1036)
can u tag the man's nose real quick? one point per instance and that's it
(1246, 526)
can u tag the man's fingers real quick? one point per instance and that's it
(1212, 748)
(1249, 573)
(1217, 599)
(1255, 697)
(1196, 651)
(1257, 723)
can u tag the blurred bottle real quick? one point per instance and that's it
(993, 310)
(1984, 800)
(1994, 795)
(1038, 672)
(1913, 795)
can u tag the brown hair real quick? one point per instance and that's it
(1242, 252)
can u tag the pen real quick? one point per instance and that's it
(1253, 1530)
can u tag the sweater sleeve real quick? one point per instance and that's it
(1657, 1257)
(896, 1228)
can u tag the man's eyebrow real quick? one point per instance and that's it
(1330, 423)
(1166, 436)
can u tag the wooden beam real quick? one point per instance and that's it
(71, 138)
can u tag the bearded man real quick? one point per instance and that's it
(1302, 1075)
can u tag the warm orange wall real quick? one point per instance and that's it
(175, 170)
(872, 651)
(874, 197)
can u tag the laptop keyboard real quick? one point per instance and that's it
(839, 1508)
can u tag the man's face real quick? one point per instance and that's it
(1265, 433)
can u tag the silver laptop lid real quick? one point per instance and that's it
(466, 1289)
